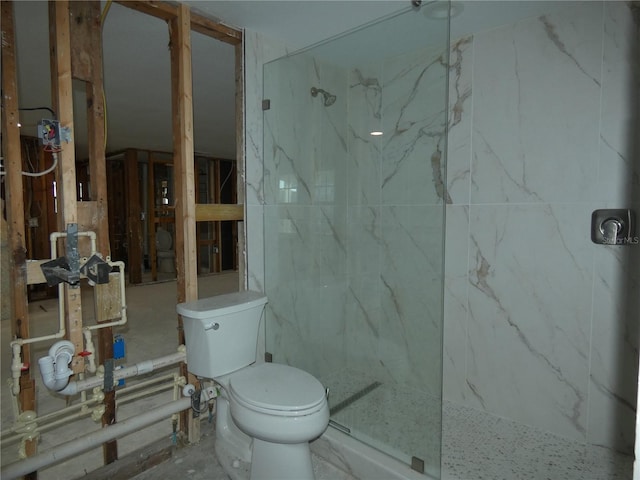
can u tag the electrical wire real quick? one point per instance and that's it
(233, 166)
(40, 108)
(54, 154)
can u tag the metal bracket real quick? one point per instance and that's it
(65, 269)
(96, 270)
(108, 374)
(57, 271)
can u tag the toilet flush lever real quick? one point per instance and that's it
(212, 326)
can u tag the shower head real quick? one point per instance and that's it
(328, 98)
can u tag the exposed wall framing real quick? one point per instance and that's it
(11, 152)
(76, 53)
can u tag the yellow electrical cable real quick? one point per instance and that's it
(104, 99)
(105, 12)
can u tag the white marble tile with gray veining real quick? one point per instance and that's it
(411, 294)
(456, 302)
(460, 120)
(536, 92)
(529, 306)
(414, 120)
(620, 119)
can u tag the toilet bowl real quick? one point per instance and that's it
(164, 251)
(266, 413)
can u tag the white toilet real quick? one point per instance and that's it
(164, 251)
(267, 413)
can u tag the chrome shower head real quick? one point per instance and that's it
(329, 99)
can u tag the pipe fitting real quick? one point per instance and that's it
(90, 348)
(17, 366)
(54, 368)
(97, 413)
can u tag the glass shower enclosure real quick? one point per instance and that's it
(354, 188)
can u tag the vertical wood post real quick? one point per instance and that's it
(183, 161)
(62, 96)
(240, 166)
(11, 152)
(86, 65)
(134, 226)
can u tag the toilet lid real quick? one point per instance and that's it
(273, 386)
(163, 240)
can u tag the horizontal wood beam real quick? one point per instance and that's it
(210, 28)
(218, 212)
(199, 23)
(163, 10)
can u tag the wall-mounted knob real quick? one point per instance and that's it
(613, 227)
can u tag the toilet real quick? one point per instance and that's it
(266, 413)
(164, 251)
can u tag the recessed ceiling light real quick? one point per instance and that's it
(376, 133)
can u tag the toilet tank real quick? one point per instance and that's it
(221, 332)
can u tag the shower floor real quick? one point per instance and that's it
(476, 445)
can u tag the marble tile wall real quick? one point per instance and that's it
(353, 224)
(396, 218)
(541, 325)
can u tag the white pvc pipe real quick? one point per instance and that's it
(17, 363)
(92, 440)
(137, 369)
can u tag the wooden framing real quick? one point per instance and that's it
(11, 151)
(134, 233)
(201, 24)
(182, 106)
(76, 52)
(86, 64)
(218, 212)
(62, 97)
(240, 163)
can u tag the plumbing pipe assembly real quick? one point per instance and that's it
(50, 377)
(92, 440)
(56, 372)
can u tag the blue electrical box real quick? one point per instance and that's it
(118, 354)
(118, 347)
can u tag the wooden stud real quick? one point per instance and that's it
(62, 97)
(186, 259)
(134, 225)
(151, 216)
(86, 64)
(15, 208)
(217, 224)
(240, 166)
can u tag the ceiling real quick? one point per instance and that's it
(137, 64)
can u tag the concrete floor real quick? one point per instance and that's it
(151, 332)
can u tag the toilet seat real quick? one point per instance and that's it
(277, 389)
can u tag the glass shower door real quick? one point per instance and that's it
(354, 168)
